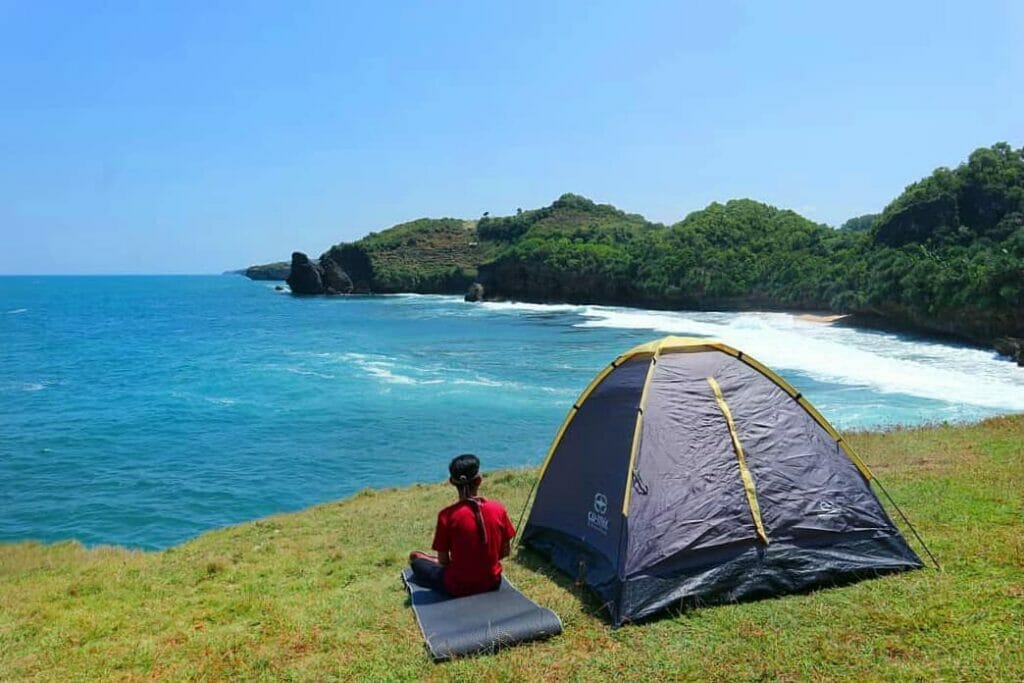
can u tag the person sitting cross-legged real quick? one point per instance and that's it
(471, 538)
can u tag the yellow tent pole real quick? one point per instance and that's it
(638, 427)
(745, 476)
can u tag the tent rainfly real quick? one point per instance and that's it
(689, 473)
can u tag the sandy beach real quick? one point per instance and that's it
(824, 318)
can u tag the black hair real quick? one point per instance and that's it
(464, 470)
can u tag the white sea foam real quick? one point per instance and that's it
(383, 368)
(423, 297)
(391, 377)
(844, 355)
(392, 371)
(17, 311)
(480, 381)
(516, 306)
(32, 386)
(484, 382)
(308, 373)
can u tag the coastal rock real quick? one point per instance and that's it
(1012, 347)
(305, 277)
(357, 266)
(475, 292)
(335, 280)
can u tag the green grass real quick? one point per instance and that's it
(426, 255)
(316, 596)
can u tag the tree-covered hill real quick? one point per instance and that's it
(570, 216)
(861, 222)
(948, 254)
(945, 256)
(574, 250)
(742, 254)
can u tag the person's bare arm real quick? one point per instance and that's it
(443, 557)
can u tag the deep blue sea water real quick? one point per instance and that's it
(145, 410)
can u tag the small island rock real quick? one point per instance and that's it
(305, 277)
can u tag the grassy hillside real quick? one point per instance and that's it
(570, 216)
(316, 595)
(428, 255)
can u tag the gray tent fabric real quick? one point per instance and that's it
(738, 488)
(477, 624)
(587, 480)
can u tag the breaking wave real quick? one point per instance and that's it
(886, 362)
(393, 371)
(384, 369)
(514, 306)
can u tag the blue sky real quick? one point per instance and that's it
(195, 137)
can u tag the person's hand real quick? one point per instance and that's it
(419, 555)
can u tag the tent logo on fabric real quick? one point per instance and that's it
(595, 518)
(827, 508)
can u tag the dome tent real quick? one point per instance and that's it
(688, 471)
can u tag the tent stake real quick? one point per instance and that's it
(916, 535)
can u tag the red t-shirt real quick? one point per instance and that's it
(474, 568)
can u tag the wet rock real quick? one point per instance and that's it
(1012, 347)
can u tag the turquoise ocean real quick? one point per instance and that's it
(143, 411)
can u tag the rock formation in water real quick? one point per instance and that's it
(305, 277)
(317, 277)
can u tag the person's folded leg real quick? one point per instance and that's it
(428, 573)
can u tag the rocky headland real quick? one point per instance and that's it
(946, 257)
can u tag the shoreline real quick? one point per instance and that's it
(500, 474)
(821, 318)
(863, 321)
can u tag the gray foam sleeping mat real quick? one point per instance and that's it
(478, 624)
